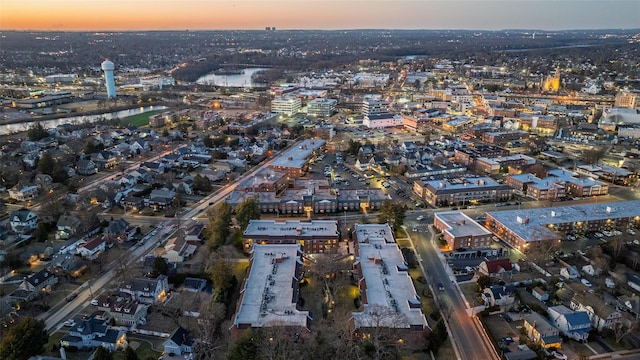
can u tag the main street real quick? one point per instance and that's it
(467, 335)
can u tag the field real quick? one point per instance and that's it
(140, 119)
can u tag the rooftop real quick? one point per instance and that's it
(292, 228)
(297, 156)
(268, 294)
(531, 224)
(391, 297)
(460, 224)
(369, 232)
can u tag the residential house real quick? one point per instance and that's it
(92, 249)
(23, 221)
(118, 231)
(147, 291)
(23, 193)
(194, 233)
(94, 332)
(495, 267)
(139, 145)
(194, 284)
(176, 250)
(591, 271)
(179, 343)
(540, 294)
(630, 304)
(105, 159)
(155, 166)
(44, 182)
(67, 226)
(573, 324)
(570, 272)
(34, 285)
(123, 309)
(86, 167)
(602, 315)
(160, 199)
(633, 281)
(502, 296)
(541, 332)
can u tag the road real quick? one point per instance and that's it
(468, 339)
(65, 310)
(91, 289)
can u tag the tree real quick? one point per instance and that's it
(218, 230)
(247, 210)
(392, 213)
(37, 132)
(201, 184)
(160, 266)
(47, 164)
(24, 340)
(130, 354)
(621, 330)
(483, 282)
(221, 275)
(593, 155)
(41, 232)
(102, 354)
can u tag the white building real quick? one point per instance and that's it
(382, 120)
(374, 106)
(321, 107)
(286, 105)
(269, 294)
(389, 299)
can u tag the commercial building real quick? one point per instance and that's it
(468, 155)
(461, 191)
(503, 137)
(459, 230)
(269, 295)
(557, 185)
(374, 106)
(294, 161)
(497, 164)
(519, 228)
(288, 105)
(382, 120)
(315, 236)
(389, 299)
(321, 107)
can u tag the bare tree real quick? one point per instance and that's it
(616, 244)
(211, 331)
(620, 330)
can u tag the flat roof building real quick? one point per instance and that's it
(269, 295)
(294, 161)
(459, 230)
(389, 299)
(315, 236)
(519, 228)
(461, 191)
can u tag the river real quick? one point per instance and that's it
(75, 120)
(233, 80)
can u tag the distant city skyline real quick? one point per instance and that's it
(120, 15)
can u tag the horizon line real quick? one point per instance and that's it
(337, 29)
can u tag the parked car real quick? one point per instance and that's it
(585, 282)
(420, 218)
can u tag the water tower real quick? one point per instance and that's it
(108, 67)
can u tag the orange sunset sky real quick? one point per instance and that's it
(317, 14)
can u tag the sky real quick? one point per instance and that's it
(317, 14)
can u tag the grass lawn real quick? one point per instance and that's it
(469, 291)
(139, 119)
(143, 351)
(445, 351)
(54, 339)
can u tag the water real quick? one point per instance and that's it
(235, 80)
(75, 120)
